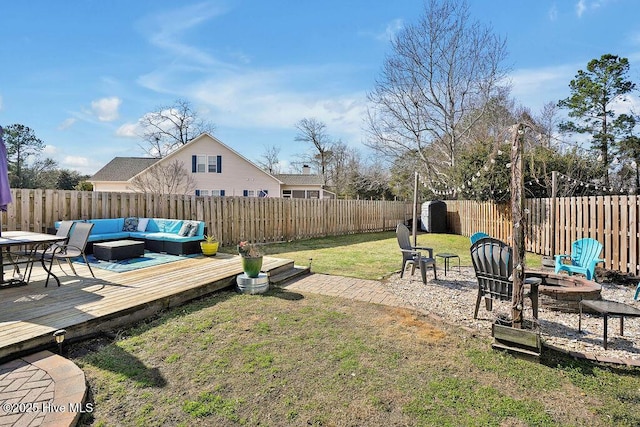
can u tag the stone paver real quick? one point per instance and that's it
(346, 287)
(41, 389)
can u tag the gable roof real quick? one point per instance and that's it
(204, 135)
(300, 179)
(123, 168)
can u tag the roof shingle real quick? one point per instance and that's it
(123, 168)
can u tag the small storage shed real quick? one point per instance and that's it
(434, 216)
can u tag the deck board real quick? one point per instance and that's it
(84, 306)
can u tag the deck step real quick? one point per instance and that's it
(281, 266)
(287, 275)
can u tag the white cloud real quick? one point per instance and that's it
(67, 123)
(165, 30)
(390, 31)
(267, 100)
(387, 34)
(581, 6)
(106, 109)
(76, 161)
(128, 130)
(535, 87)
(553, 13)
(50, 150)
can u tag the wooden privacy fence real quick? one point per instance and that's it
(229, 219)
(612, 220)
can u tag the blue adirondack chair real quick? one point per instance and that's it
(637, 295)
(583, 258)
(477, 236)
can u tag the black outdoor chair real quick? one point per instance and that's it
(493, 263)
(413, 255)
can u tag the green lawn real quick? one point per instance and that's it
(286, 359)
(367, 256)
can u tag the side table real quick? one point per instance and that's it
(608, 308)
(447, 260)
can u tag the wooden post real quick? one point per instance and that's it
(554, 190)
(415, 210)
(517, 209)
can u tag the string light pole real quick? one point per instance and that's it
(517, 212)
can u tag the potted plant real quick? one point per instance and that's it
(209, 246)
(251, 258)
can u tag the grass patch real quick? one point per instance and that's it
(232, 359)
(327, 361)
(368, 256)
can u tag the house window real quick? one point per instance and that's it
(200, 165)
(206, 164)
(313, 194)
(210, 193)
(286, 194)
(298, 194)
(249, 193)
(213, 165)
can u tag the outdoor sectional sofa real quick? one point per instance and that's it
(172, 236)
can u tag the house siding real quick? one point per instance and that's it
(234, 176)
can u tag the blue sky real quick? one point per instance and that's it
(82, 73)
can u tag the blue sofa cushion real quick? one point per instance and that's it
(173, 226)
(108, 236)
(104, 226)
(170, 237)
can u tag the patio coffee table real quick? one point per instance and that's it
(118, 249)
(447, 260)
(608, 308)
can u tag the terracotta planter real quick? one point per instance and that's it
(252, 265)
(209, 249)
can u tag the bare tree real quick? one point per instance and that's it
(435, 85)
(344, 161)
(172, 178)
(270, 159)
(313, 131)
(170, 127)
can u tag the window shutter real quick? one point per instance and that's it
(245, 193)
(222, 192)
(219, 164)
(197, 192)
(194, 163)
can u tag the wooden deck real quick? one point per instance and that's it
(84, 306)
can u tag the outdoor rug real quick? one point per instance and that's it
(149, 259)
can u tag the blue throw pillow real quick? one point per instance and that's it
(130, 224)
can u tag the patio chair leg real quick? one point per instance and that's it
(72, 267)
(475, 314)
(88, 265)
(488, 302)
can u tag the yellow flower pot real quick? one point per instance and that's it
(209, 249)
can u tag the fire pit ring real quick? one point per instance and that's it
(563, 292)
